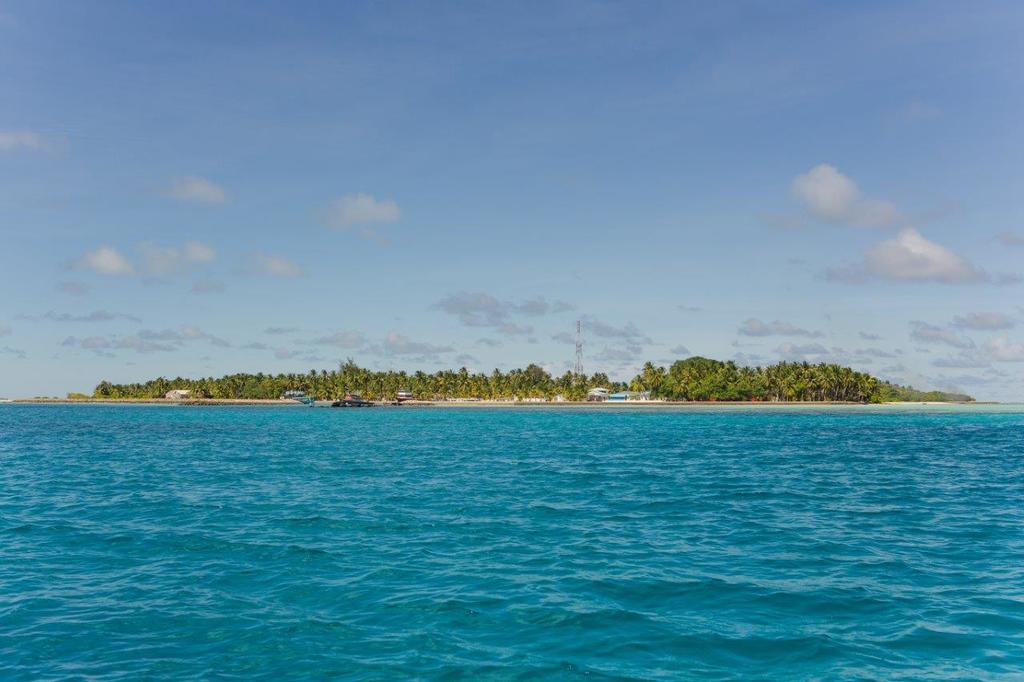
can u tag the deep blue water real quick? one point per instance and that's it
(290, 542)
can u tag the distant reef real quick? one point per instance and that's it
(693, 379)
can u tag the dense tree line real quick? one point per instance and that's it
(695, 378)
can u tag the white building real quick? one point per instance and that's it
(178, 394)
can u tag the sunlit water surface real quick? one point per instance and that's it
(492, 543)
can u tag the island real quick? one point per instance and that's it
(695, 379)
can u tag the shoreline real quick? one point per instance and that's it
(215, 402)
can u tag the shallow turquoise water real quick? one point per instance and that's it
(291, 542)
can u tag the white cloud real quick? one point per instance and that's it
(275, 266)
(984, 321)
(11, 140)
(1001, 349)
(197, 190)
(930, 333)
(755, 327)
(832, 197)
(361, 209)
(679, 350)
(106, 261)
(161, 261)
(909, 257)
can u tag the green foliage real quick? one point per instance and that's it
(695, 378)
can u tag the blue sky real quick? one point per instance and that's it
(203, 188)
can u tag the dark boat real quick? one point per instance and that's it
(352, 400)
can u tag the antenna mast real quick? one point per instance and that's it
(578, 369)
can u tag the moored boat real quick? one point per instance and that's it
(352, 400)
(297, 396)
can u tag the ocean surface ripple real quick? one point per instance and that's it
(852, 543)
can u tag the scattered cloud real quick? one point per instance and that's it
(627, 332)
(73, 288)
(183, 334)
(145, 341)
(465, 360)
(679, 350)
(106, 260)
(923, 332)
(197, 190)
(831, 197)
(867, 354)
(5, 329)
(11, 140)
(255, 345)
(16, 352)
(280, 330)
(275, 266)
(100, 344)
(208, 286)
(304, 356)
(1009, 238)
(869, 337)
(1001, 349)
(909, 257)
(397, 344)
(361, 209)
(983, 321)
(755, 327)
(161, 261)
(690, 308)
(803, 352)
(965, 359)
(490, 343)
(477, 309)
(94, 316)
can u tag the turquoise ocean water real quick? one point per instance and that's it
(174, 542)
